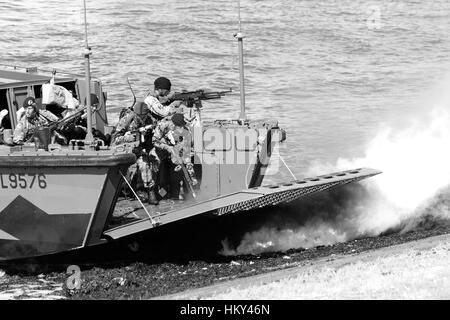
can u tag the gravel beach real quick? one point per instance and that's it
(146, 280)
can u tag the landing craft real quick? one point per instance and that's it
(58, 198)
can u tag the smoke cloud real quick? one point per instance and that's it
(413, 189)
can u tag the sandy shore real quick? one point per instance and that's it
(414, 270)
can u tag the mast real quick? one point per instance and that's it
(239, 36)
(87, 52)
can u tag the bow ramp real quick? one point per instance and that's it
(140, 219)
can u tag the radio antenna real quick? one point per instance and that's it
(240, 38)
(239, 14)
(134, 96)
(87, 52)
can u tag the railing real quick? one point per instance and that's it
(37, 70)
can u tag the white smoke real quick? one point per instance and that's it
(416, 166)
(415, 161)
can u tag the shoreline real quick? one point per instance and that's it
(384, 271)
(204, 278)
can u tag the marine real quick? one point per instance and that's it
(32, 119)
(160, 101)
(142, 120)
(135, 127)
(172, 141)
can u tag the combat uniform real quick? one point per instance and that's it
(173, 147)
(24, 130)
(130, 130)
(157, 108)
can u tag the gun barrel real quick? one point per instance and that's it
(55, 124)
(198, 95)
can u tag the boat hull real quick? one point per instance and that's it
(53, 203)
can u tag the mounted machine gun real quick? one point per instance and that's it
(60, 124)
(194, 98)
(43, 134)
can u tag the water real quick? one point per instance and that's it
(331, 71)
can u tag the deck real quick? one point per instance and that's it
(130, 217)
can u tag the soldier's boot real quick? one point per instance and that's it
(152, 197)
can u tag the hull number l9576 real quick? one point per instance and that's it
(23, 181)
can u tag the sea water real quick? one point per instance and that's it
(332, 72)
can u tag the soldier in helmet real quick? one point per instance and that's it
(135, 127)
(159, 102)
(157, 106)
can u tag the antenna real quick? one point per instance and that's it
(134, 96)
(239, 14)
(87, 52)
(240, 38)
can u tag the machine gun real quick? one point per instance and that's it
(55, 125)
(194, 98)
(46, 131)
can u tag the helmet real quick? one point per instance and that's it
(178, 120)
(162, 83)
(141, 108)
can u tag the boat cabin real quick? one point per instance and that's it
(18, 83)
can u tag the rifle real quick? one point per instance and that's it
(176, 154)
(186, 175)
(194, 98)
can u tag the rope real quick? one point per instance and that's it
(137, 197)
(134, 96)
(287, 167)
